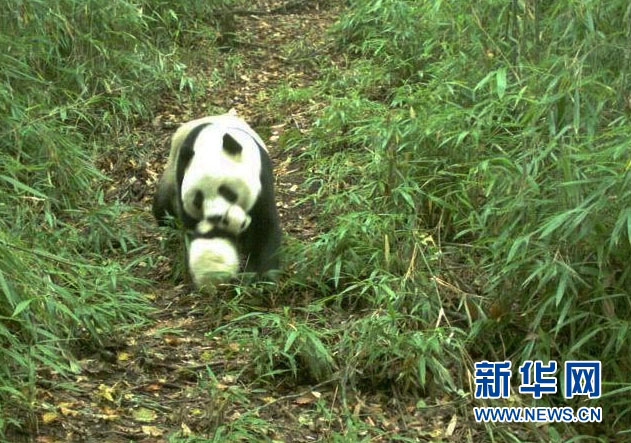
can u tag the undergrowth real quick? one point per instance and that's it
(471, 167)
(76, 76)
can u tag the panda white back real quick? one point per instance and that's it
(224, 120)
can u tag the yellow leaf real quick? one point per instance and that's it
(305, 399)
(436, 433)
(144, 414)
(123, 356)
(48, 417)
(108, 411)
(186, 430)
(67, 411)
(228, 378)
(106, 392)
(452, 426)
(107, 417)
(152, 431)
(172, 340)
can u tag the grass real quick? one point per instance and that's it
(76, 77)
(476, 160)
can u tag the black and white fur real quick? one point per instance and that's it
(219, 182)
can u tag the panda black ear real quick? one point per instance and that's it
(230, 145)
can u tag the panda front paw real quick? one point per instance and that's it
(204, 227)
(235, 220)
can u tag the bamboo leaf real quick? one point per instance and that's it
(500, 78)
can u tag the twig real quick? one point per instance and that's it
(290, 396)
(218, 363)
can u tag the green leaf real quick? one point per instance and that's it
(337, 271)
(561, 289)
(22, 186)
(484, 81)
(500, 78)
(577, 111)
(290, 340)
(144, 415)
(21, 307)
(422, 370)
(8, 293)
(554, 223)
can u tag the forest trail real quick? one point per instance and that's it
(169, 379)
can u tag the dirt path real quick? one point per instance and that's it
(170, 377)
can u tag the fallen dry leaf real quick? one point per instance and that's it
(144, 414)
(107, 417)
(152, 431)
(65, 410)
(106, 392)
(172, 340)
(451, 426)
(109, 411)
(49, 417)
(228, 378)
(305, 399)
(186, 431)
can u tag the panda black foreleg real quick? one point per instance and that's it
(261, 242)
(261, 257)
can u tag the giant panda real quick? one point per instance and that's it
(218, 181)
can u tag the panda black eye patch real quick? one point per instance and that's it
(228, 194)
(198, 200)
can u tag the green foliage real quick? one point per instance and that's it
(282, 342)
(75, 76)
(476, 157)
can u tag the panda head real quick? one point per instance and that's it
(219, 172)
